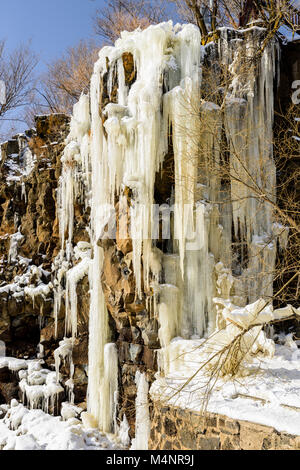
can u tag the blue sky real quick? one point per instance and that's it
(51, 25)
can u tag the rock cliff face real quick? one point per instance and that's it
(30, 167)
(55, 263)
(29, 243)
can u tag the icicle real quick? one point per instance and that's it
(109, 387)
(124, 432)
(28, 161)
(122, 88)
(74, 275)
(98, 321)
(142, 423)
(98, 332)
(41, 351)
(181, 106)
(63, 352)
(13, 248)
(23, 193)
(70, 390)
(249, 117)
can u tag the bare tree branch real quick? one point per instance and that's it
(17, 73)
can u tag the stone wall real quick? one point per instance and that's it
(177, 429)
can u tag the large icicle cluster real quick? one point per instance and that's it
(75, 175)
(124, 145)
(74, 186)
(249, 118)
(128, 152)
(72, 263)
(38, 386)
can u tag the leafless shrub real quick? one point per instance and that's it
(17, 72)
(127, 15)
(65, 80)
(221, 164)
(209, 15)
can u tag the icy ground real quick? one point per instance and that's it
(268, 395)
(23, 429)
(33, 428)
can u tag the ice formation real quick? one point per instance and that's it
(131, 147)
(74, 184)
(30, 425)
(110, 387)
(39, 387)
(142, 424)
(23, 429)
(13, 249)
(124, 432)
(73, 276)
(125, 144)
(63, 352)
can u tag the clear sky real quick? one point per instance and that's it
(51, 25)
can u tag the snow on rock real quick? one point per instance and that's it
(69, 411)
(73, 276)
(13, 364)
(268, 393)
(15, 239)
(63, 352)
(123, 433)
(28, 284)
(24, 429)
(39, 386)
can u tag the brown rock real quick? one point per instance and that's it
(129, 68)
(9, 391)
(80, 350)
